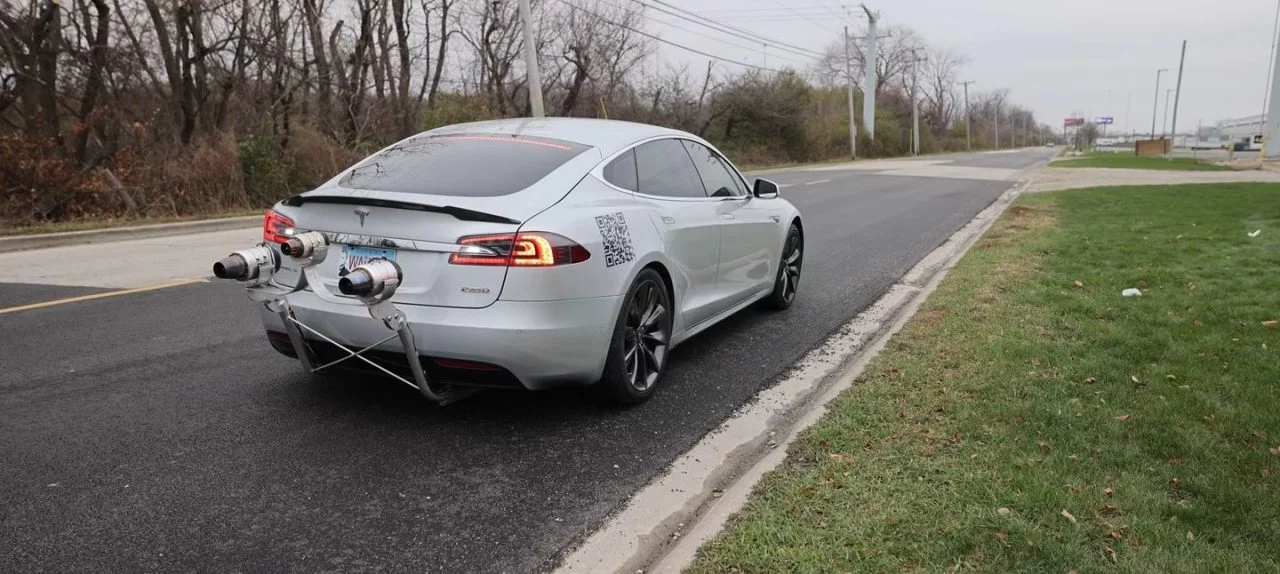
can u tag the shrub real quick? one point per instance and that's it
(265, 169)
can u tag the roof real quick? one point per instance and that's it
(607, 136)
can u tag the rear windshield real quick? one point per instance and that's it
(473, 165)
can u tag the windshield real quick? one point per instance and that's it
(474, 165)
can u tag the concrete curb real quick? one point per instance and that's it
(45, 240)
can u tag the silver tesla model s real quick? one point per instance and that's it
(521, 253)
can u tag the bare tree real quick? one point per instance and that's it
(98, 31)
(31, 44)
(600, 47)
(942, 102)
(498, 43)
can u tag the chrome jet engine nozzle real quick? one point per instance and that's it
(374, 281)
(257, 265)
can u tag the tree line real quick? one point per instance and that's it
(115, 108)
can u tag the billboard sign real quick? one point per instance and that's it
(1103, 120)
(1072, 122)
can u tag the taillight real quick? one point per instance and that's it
(525, 249)
(276, 228)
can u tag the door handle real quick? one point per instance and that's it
(666, 219)
(726, 216)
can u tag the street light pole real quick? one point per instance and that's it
(531, 61)
(968, 143)
(1177, 95)
(1164, 124)
(1156, 104)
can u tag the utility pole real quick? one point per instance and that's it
(848, 77)
(968, 143)
(1156, 104)
(1199, 130)
(1164, 124)
(1128, 112)
(531, 61)
(997, 122)
(915, 105)
(1173, 128)
(869, 75)
(1271, 100)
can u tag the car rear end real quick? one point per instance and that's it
(449, 209)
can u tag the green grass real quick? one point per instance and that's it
(1015, 395)
(90, 224)
(1121, 160)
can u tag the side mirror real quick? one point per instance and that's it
(764, 189)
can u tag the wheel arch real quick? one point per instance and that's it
(666, 281)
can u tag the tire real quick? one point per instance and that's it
(641, 342)
(787, 282)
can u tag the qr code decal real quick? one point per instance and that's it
(616, 239)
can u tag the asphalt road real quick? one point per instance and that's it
(157, 431)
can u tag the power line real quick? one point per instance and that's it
(778, 18)
(806, 8)
(721, 40)
(724, 29)
(792, 10)
(710, 37)
(668, 42)
(746, 34)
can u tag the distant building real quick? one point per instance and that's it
(1245, 132)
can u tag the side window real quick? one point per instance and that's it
(664, 168)
(717, 176)
(622, 171)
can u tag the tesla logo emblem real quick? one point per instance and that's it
(362, 213)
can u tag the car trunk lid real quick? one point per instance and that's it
(419, 231)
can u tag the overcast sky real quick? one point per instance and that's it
(1057, 57)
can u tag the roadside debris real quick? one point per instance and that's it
(1131, 292)
(1255, 233)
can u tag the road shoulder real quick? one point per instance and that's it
(663, 524)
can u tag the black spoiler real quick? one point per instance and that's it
(460, 213)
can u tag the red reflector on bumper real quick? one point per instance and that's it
(468, 365)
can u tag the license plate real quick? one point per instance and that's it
(354, 256)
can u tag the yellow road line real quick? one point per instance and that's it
(177, 283)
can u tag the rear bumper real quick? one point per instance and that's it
(542, 344)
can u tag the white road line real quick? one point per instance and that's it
(782, 185)
(817, 182)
